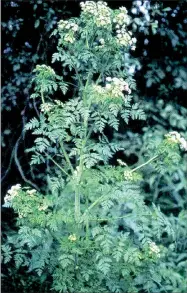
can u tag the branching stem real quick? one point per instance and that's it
(49, 157)
(146, 163)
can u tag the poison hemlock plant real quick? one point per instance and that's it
(72, 233)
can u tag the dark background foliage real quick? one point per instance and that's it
(162, 78)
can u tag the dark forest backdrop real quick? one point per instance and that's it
(160, 62)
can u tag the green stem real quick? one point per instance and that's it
(111, 219)
(87, 45)
(87, 223)
(66, 156)
(77, 204)
(80, 169)
(139, 167)
(42, 96)
(98, 200)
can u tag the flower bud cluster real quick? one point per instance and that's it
(72, 237)
(175, 137)
(46, 107)
(99, 11)
(11, 193)
(71, 29)
(154, 249)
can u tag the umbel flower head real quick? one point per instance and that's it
(44, 71)
(69, 28)
(72, 237)
(99, 11)
(175, 137)
(11, 193)
(114, 88)
(154, 249)
(46, 107)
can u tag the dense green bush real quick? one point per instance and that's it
(96, 229)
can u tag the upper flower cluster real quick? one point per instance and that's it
(124, 37)
(11, 193)
(99, 10)
(44, 70)
(175, 137)
(122, 18)
(70, 27)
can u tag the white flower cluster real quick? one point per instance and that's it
(99, 89)
(154, 248)
(72, 237)
(99, 10)
(122, 18)
(174, 136)
(116, 86)
(101, 44)
(124, 38)
(21, 215)
(44, 69)
(71, 27)
(11, 193)
(31, 192)
(43, 208)
(59, 103)
(121, 163)
(128, 175)
(46, 107)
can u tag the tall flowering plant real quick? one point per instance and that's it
(92, 231)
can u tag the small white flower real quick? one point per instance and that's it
(102, 41)
(183, 143)
(43, 208)
(108, 78)
(108, 86)
(134, 40)
(143, 10)
(123, 9)
(31, 192)
(72, 237)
